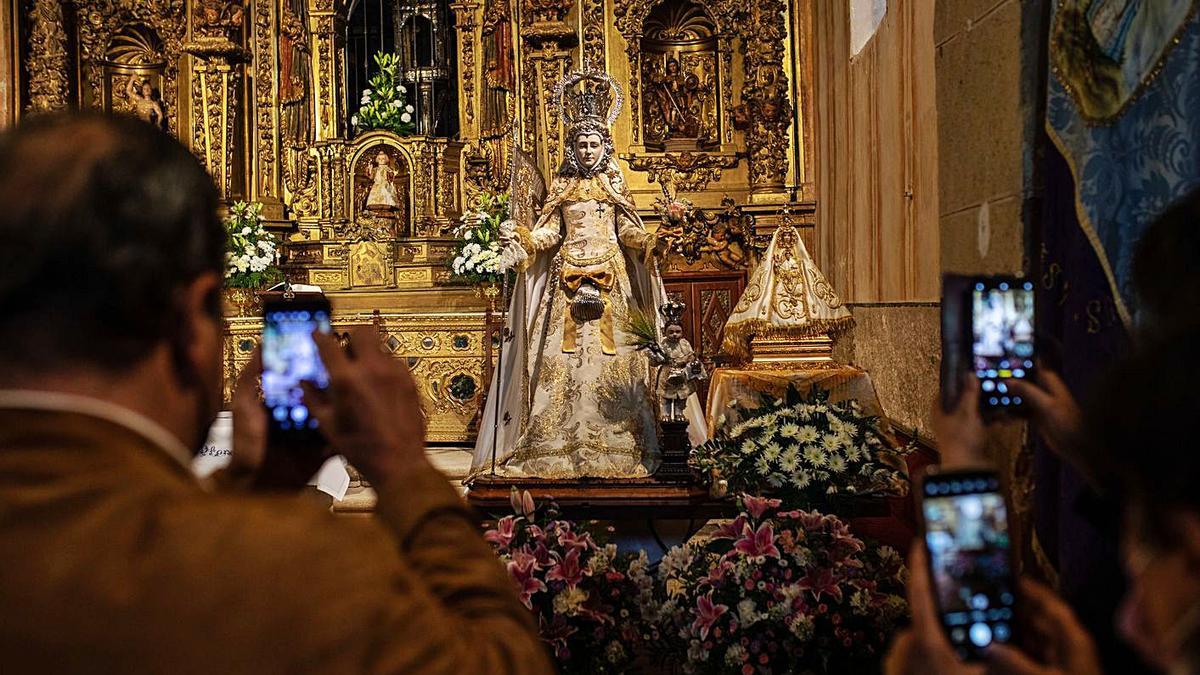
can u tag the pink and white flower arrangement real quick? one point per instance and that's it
(587, 600)
(776, 591)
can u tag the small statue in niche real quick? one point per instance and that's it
(146, 101)
(383, 196)
(679, 369)
(674, 94)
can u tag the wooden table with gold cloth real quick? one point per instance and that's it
(743, 388)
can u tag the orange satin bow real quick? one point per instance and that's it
(602, 278)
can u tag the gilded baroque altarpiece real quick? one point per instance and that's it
(719, 112)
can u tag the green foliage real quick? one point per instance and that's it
(250, 251)
(384, 104)
(641, 328)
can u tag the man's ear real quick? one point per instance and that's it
(199, 308)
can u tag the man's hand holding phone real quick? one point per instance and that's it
(371, 411)
(1066, 648)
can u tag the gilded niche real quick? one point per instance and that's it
(381, 195)
(134, 77)
(679, 66)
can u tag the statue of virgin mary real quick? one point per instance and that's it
(575, 396)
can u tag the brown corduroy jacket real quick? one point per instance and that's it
(113, 558)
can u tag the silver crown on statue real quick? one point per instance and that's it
(589, 96)
(672, 313)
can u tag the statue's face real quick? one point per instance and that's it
(588, 149)
(147, 90)
(674, 332)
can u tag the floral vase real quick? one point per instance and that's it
(240, 302)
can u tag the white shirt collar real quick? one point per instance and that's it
(53, 401)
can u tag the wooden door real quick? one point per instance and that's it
(710, 298)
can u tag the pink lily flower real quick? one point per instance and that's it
(707, 614)
(731, 530)
(569, 539)
(504, 533)
(760, 542)
(567, 569)
(821, 582)
(522, 573)
(757, 506)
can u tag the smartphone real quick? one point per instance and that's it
(290, 357)
(988, 329)
(970, 563)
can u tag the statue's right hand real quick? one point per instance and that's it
(507, 232)
(512, 255)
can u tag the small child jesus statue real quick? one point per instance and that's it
(382, 196)
(679, 369)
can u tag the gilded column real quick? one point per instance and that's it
(549, 40)
(466, 16)
(216, 80)
(264, 170)
(766, 110)
(328, 29)
(48, 60)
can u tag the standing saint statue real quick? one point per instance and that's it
(575, 396)
(146, 101)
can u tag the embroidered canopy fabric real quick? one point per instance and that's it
(787, 297)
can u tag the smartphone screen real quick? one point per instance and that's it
(1002, 346)
(290, 357)
(966, 534)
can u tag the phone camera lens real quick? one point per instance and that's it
(981, 634)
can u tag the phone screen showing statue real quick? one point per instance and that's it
(1002, 338)
(289, 358)
(966, 534)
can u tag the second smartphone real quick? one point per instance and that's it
(970, 559)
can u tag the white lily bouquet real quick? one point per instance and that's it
(476, 257)
(251, 254)
(384, 103)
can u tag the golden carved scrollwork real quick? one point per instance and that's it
(265, 72)
(764, 114)
(465, 13)
(48, 62)
(766, 110)
(687, 171)
(101, 21)
(216, 88)
(547, 59)
(299, 169)
(594, 24)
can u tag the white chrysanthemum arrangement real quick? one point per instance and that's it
(805, 450)
(476, 257)
(251, 255)
(384, 103)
